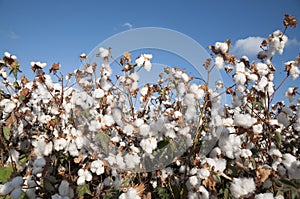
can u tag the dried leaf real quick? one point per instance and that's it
(263, 174)
(290, 21)
(54, 68)
(127, 56)
(209, 183)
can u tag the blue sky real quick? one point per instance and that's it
(60, 30)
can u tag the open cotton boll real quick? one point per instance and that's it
(98, 93)
(240, 78)
(9, 106)
(132, 160)
(147, 65)
(244, 120)
(181, 88)
(128, 129)
(240, 67)
(242, 187)
(140, 61)
(144, 130)
(222, 46)
(84, 175)
(217, 164)
(219, 61)
(103, 52)
(149, 144)
(97, 167)
(264, 196)
(262, 69)
(108, 120)
(41, 148)
(294, 72)
(130, 194)
(258, 128)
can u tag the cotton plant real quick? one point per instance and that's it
(92, 133)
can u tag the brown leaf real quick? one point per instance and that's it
(263, 174)
(78, 159)
(24, 80)
(290, 21)
(127, 56)
(209, 183)
(54, 68)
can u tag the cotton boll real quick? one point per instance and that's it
(193, 181)
(103, 52)
(130, 194)
(257, 129)
(72, 149)
(148, 145)
(244, 120)
(132, 160)
(117, 116)
(262, 69)
(97, 167)
(219, 61)
(185, 77)
(246, 153)
(128, 129)
(98, 93)
(108, 120)
(217, 164)
(147, 65)
(144, 90)
(84, 175)
(288, 159)
(181, 88)
(294, 72)
(264, 196)
(222, 46)
(60, 144)
(140, 61)
(294, 170)
(275, 152)
(138, 122)
(189, 99)
(239, 78)
(242, 187)
(144, 130)
(240, 67)
(203, 173)
(9, 106)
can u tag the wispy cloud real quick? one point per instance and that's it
(13, 35)
(128, 25)
(293, 42)
(249, 46)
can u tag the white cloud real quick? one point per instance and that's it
(293, 42)
(249, 46)
(13, 35)
(127, 25)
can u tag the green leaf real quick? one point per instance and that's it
(24, 158)
(83, 189)
(278, 138)
(226, 194)
(6, 132)
(5, 173)
(103, 139)
(163, 193)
